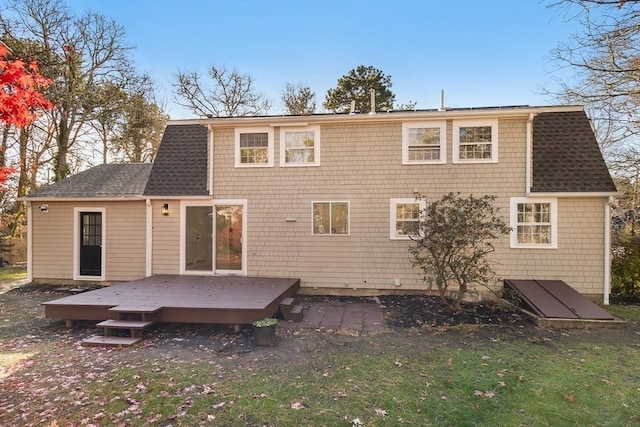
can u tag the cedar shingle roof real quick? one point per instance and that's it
(180, 166)
(566, 156)
(112, 180)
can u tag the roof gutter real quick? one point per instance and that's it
(574, 194)
(391, 116)
(110, 198)
(606, 292)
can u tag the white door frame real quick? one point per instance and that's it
(213, 204)
(77, 211)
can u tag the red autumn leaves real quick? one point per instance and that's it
(20, 99)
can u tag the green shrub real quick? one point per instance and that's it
(625, 269)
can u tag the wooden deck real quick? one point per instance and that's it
(183, 299)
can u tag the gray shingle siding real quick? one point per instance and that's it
(566, 155)
(180, 166)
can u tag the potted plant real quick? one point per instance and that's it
(264, 331)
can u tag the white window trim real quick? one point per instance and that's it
(316, 145)
(553, 209)
(270, 150)
(392, 215)
(405, 142)
(348, 218)
(457, 124)
(76, 244)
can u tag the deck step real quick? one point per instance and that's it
(135, 309)
(285, 307)
(110, 341)
(141, 312)
(134, 326)
(296, 313)
(125, 324)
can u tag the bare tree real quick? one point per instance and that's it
(81, 54)
(139, 130)
(231, 94)
(298, 99)
(411, 105)
(605, 60)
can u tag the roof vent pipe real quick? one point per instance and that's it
(373, 101)
(353, 107)
(442, 100)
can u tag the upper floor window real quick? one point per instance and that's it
(300, 146)
(254, 147)
(330, 217)
(423, 143)
(475, 141)
(405, 217)
(534, 223)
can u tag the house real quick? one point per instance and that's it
(330, 199)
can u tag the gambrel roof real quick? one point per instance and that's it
(180, 166)
(566, 155)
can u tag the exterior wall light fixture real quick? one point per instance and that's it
(165, 209)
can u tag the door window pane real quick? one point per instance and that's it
(198, 238)
(228, 237)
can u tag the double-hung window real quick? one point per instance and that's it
(475, 141)
(330, 218)
(300, 146)
(534, 223)
(423, 143)
(405, 218)
(254, 147)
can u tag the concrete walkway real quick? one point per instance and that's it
(360, 317)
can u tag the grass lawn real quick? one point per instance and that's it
(458, 376)
(13, 273)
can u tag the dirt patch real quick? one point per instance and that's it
(408, 320)
(422, 311)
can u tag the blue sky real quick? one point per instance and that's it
(480, 52)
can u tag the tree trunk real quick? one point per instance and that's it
(23, 173)
(60, 165)
(3, 146)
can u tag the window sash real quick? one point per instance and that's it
(407, 219)
(299, 147)
(476, 142)
(405, 215)
(330, 218)
(424, 144)
(254, 148)
(534, 223)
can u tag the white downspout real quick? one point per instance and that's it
(210, 160)
(528, 155)
(149, 235)
(607, 251)
(29, 242)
